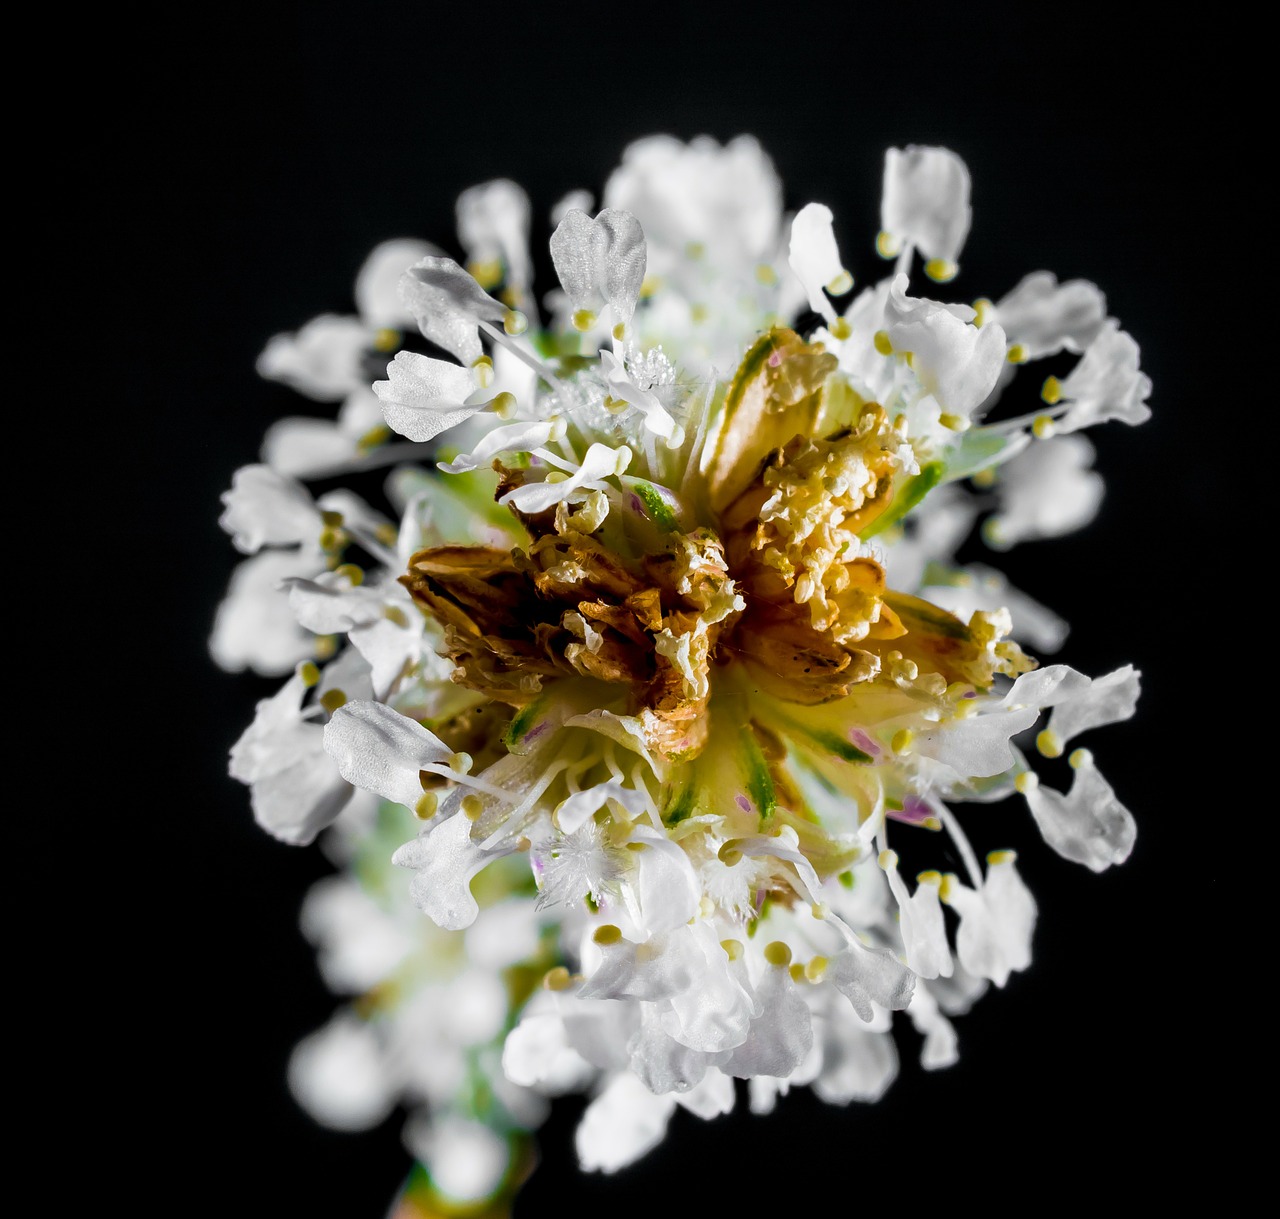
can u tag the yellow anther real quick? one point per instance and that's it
(841, 284)
(765, 274)
(386, 340)
(504, 405)
(487, 274)
(332, 539)
(522, 843)
(620, 331)
(426, 807)
(698, 314)
(376, 435)
(1049, 744)
(940, 270)
(1051, 391)
(902, 739)
(624, 460)
(840, 328)
(583, 319)
(1043, 427)
(556, 476)
(331, 519)
(1079, 758)
(309, 672)
(331, 700)
(733, 948)
(777, 953)
(1027, 781)
(984, 478)
(350, 572)
(650, 285)
(1017, 354)
(931, 823)
(882, 344)
(607, 933)
(557, 979)
(797, 972)
(957, 423)
(461, 762)
(931, 877)
(819, 910)
(393, 613)
(887, 859)
(514, 322)
(910, 357)
(472, 806)
(887, 245)
(325, 646)
(386, 533)
(706, 907)
(947, 885)
(615, 406)
(482, 373)
(992, 531)
(982, 309)
(815, 969)
(995, 858)
(729, 855)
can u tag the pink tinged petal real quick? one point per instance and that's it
(1088, 825)
(926, 200)
(424, 397)
(621, 1124)
(865, 976)
(265, 508)
(814, 256)
(382, 751)
(780, 1037)
(445, 861)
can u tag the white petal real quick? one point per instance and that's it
(780, 1036)
(666, 885)
(926, 200)
(1106, 700)
(513, 437)
(448, 304)
(712, 1097)
(976, 746)
(600, 462)
(255, 628)
(600, 260)
(537, 1054)
(331, 605)
(921, 925)
(424, 397)
(814, 256)
(378, 282)
(467, 1160)
(663, 966)
(1047, 490)
(621, 1124)
(996, 922)
(1088, 825)
(264, 508)
(865, 976)
(857, 1064)
(445, 860)
(941, 1045)
(493, 225)
(954, 361)
(324, 360)
(1107, 383)
(338, 1076)
(383, 751)
(1045, 317)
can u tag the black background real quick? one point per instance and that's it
(245, 169)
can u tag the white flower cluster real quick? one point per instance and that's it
(664, 652)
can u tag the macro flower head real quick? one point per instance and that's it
(670, 635)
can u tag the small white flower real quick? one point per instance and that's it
(377, 289)
(996, 921)
(339, 1076)
(424, 397)
(322, 360)
(1046, 491)
(600, 261)
(493, 227)
(449, 306)
(1088, 825)
(815, 258)
(1044, 317)
(1106, 384)
(264, 508)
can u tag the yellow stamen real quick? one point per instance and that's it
(426, 806)
(309, 672)
(583, 319)
(607, 933)
(331, 700)
(941, 270)
(1049, 744)
(777, 953)
(557, 979)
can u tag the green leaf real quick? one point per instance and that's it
(909, 495)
